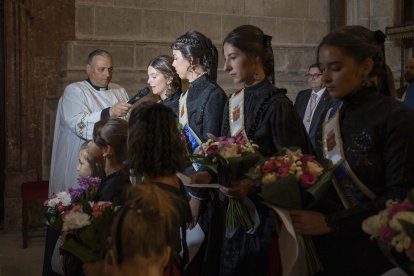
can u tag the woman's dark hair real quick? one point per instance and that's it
(254, 43)
(154, 145)
(152, 219)
(96, 169)
(196, 45)
(113, 132)
(358, 43)
(163, 63)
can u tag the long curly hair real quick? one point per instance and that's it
(154, 145)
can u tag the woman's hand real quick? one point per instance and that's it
(239, 189)
(309, 222)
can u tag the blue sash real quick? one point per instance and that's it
(349, 187)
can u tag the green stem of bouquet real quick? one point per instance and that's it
(313, 263)
(238, 215)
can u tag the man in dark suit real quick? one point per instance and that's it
(406, 93)
(312, 105)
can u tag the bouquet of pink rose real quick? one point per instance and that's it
(85, 223)
(294, 180)
(230, 158)
(393, 228)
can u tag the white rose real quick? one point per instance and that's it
(375, 225)
(75, 220)
(314, 168)
(269, 178)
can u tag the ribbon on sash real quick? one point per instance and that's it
(349, 187)
(236, 115)
(183, 119)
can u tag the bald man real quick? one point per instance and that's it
(406, 94)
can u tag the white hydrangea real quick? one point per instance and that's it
(401, 242)
(374, 225)
(75, 220)
(228, 152)
(62, 197)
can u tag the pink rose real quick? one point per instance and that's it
(96, 213)
(307, 157)
(284, 170)
(403, 206)
(307, 179)
(268, 166)
(387, 234)
(212, 149)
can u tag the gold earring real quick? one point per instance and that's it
(256, 76)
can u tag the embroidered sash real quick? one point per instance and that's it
(349, 187)
(236, 114)
(183, 119)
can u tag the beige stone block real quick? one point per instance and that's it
(380, 23)
(294, 59)
(314, 31)
(383, 8)
(84, 21)
(289, 8)
(268, 25)
(235, 7)
(289, 31)
(148, 4)
(363, 7)
(180, 5)
(96, 2)
(211, 6)
(260, 7)
(231, 22)
(319, 10)
(145, 53)
(168, 26)
(207, 24)
(117, 23)
(126, 3)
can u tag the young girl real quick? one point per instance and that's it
(87, 166)
(157, 154)
(369, 138)
(146, 235)
(164, 81)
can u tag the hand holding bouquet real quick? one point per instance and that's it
(294, 180)
(85, 223)
(230, 158)
(393, 227)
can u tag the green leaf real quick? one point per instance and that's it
(408, 227)
(285, 193)
(317, 191)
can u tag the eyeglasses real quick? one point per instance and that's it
(313, 76)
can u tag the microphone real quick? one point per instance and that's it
(141, 94)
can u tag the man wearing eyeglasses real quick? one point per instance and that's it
(312, 104)
(406, 93)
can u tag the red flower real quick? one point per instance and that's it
(307, 179)
(268, 166)
(212, 149)
(284, 170)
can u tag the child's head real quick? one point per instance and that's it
(87, 166)
(146, 232)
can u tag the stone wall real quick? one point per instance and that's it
(136, 31)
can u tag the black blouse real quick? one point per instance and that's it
(205, 103)
(378, 139)
(270, 119)
(173, 102)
